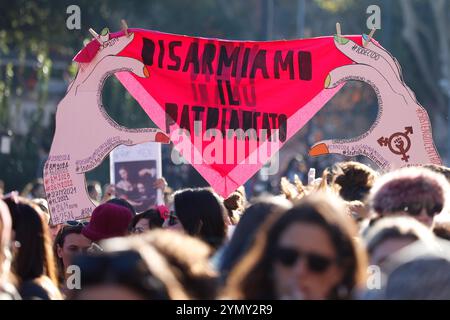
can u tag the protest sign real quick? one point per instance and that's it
(133, 171)
(230, 105)
(227, 106)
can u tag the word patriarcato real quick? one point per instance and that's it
(73, 21)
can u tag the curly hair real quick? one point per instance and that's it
(355, 180)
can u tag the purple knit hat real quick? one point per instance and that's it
(402, 188)
(108, 221)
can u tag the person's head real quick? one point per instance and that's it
(417, 272)
(94, 190)
(124, 203)
(123, 173)
(188, 258)
(414, 191)
(354, 179)
(34, 257)
(147, 220)
(127, 269)
(141, 188)
(308, 252)
(5, 240)
(390, 234)
(68, 243)
(108, 220)
(234, 205)
(201, 213)
(243, 236)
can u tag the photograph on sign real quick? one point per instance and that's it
(134, 171)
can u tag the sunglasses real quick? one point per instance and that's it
(75, 223)
(315, 262)
(415, 209)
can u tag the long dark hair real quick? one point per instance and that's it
(252, 278)
(59, 242)
(35, 256)
(244, 234)
(201, 213)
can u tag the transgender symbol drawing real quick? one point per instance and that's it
(399, 143)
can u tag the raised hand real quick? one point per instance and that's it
(401, 135)
(85, 134)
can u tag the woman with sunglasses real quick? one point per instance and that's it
(308, 252)
(415, 192)
(68, 243)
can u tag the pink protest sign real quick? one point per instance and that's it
(227, 106)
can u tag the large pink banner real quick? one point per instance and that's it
(236, 102)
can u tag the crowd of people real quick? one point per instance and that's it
(353, 233)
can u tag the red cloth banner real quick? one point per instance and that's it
(228, 106)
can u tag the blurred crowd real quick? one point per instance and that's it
(352, 233)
